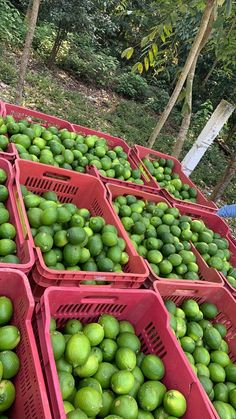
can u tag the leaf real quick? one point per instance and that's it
(127, 53)
(163, 38)
(140, 68)
(151, 58)
(220, 2)
(153, 34)
(146, 63)
(137, 67)
(144, 41)
(154, 49)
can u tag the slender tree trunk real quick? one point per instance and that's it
(187, 112)
(225, 180)
(28, 12)
(26, 50)
(184, 73)
(210, 72)
(187, 107)
(57, 44)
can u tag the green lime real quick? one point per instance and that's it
(7, 231)
(4, 215)
(217, 373)
(94, 332)
(44, 241)
(221, 358)
(6, 310)
(122, 382)
(152, 367)
(230, 371)
(108, 348)
(7, 247)
(212, 338)
(125, 406)
(109, 239)
(107, 400)
(126, 326)
(209, 310)
(7, 395)
(73, 326)
(90, 382)
(67, 384)
(191, 308)
(77, 349)
(110, 325)
(58, 344)
(206, 383)
(88, 400)
(187, 344)
(71, 254)
(129, 340)
(125, 359)
(63, 365)
(104, 373)
(10, 363)
(174, 403)
(88, 369)
(63, 215)
(77, 235)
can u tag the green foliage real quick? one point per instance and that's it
(94, 68)
(157, 99)
(8, 73)
(43, 39)
(132, 86)
(11, 24)
(201, 117)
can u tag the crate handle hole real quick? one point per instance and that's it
(57, 176)
(100, 299)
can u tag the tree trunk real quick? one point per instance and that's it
(181, 80)
(28, 12)
(228, 175)
(187, 112)
(210, 72)
(26, 50)
(55, 49)
(187, 107)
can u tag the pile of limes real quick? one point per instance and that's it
(62, 148)
(70, 238)
(162, 170)
(163, 237)
(9, 361)
(103, 374)
(7, 230)
(202, 339)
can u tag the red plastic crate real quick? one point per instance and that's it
(31, 396)
(11, 152)
(84, 191)
(2, 108)
(207, 275)
(113, 142)
(218, 225)
(222, 298)
(19, 112)
(144, 309)
(24, 250)
(139, 152)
